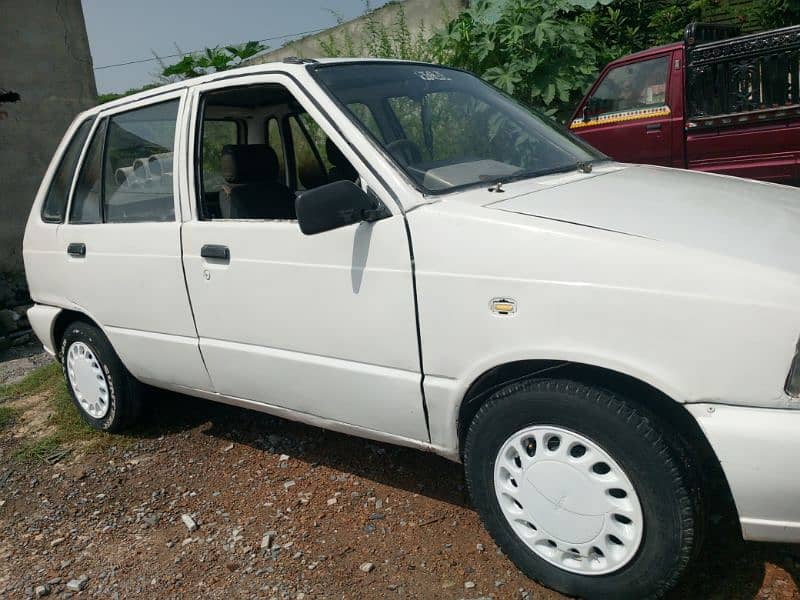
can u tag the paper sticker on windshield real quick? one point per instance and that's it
(432, 76)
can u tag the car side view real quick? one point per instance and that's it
(398, 251)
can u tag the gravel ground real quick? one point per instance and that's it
(18, 361)
(219, 502)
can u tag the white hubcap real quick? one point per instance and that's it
(87, 380)
(568, 500)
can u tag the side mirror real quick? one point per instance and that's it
(335, 205)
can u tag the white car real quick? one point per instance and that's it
(399, 251)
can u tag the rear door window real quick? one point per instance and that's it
(138, 175)
(87, 198)
(55, 203)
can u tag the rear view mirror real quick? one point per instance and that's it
(336, 205)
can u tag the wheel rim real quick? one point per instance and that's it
(568, 500)
(87, 380)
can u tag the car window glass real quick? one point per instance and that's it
(630, 87)
(276, 143)
(86, 199)
(55, 203)
(364, 114)
(138, 165)
(409, 115)
(308, 167)
(444, 125)
(420, 107)
(216, 134)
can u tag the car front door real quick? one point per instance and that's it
(628, 115)
(120, 244)
(323, 325)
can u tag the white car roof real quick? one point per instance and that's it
(289, 65)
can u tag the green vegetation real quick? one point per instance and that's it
(7, 416)
(379, 40)
(545, 53)
(212, 60)
(103, 98)
(44, 379)
(64, 424)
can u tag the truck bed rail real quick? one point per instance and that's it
(747, 74)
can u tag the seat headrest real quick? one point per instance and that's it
(335, 155)
(244, 163)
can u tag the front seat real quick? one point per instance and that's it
(342, 169)
(252, 189)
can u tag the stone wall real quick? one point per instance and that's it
(44, 57)
(429, 14)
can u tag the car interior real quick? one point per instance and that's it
(258, 151)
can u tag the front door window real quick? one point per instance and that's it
(631, 87)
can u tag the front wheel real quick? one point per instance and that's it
(107, 396)
(581, 490)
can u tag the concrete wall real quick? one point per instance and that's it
(428, 13)
(44, 57)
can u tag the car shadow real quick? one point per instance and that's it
(403, 468)
(726, 568)
(737, 570)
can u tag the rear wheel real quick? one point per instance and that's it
(582, 490)
(107, 396)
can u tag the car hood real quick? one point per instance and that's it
(750, 220)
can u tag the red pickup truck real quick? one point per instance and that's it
(710, 103)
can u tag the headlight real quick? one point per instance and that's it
(793, 381)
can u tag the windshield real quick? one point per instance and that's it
(448, 129)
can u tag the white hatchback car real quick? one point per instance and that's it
(398, 251)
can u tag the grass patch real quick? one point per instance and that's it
(41, 380)
(38, 450)
(64, 424)
(7, 416)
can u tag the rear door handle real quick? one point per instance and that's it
(215, 251)
(653, 127)
(77, 250)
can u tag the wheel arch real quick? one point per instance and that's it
(62, 320)
(666, 409)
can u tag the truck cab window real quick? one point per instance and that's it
(631, 87)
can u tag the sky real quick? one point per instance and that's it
(122, 31)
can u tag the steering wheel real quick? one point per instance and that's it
(405, 151)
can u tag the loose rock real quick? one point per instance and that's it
(42, 590)
(77, 585)
(189, 522)
(367, 567)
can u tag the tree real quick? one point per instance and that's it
(535, 50)
(212, 60)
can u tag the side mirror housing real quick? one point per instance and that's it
(335, 205)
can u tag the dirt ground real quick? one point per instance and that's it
(214, 501)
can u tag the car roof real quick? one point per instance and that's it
(288, 65)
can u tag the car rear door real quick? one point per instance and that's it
(323, 325)
(120, 245)
(628, 114)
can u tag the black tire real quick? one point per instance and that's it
(663, 480)
(124, 391)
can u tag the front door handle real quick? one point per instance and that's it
(653, 127)
(77, 250)
(215, 251)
